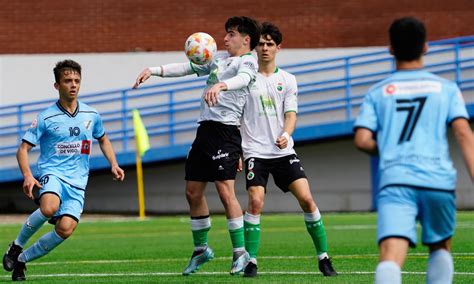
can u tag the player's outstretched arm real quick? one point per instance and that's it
(109, 154)
(142, 77)
(465, 139)
(29, 181)
(364, 141)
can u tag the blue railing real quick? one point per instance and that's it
(330, 92)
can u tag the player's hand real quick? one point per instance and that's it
(240, 165)
(282, 141)
(212, 94)
(118, 173)
(28, 184)
(142, 77)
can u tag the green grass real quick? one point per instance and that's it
(157, 250)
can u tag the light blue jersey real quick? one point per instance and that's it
(409, 112)
(65, 142)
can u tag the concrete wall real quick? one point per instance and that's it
(339, 176)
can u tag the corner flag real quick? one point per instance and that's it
(142, 145)
(141, 136)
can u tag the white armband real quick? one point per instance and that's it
(286, 135)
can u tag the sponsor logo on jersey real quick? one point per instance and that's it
(412, 88)
(73, 148)
(86, 147)
(249, 65)
(220, 168)
(220, 155)
(68, 148)
(294, 160)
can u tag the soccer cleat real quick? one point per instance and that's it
(197, 260)
(18, 273)
(239, 261)
(325, 266)
(250, 270)
(11, 256)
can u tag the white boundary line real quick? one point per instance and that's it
(152, 260)
(70, 275)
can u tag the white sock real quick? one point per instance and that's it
(388, 272)
(440, 267)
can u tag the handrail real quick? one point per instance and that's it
(331, 88)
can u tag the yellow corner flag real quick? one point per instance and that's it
(143, 145)
(141, 136)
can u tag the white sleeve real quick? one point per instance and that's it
(246, 74)
(173, 70)
(238, 82)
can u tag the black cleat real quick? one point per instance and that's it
(325, 266)
(18, 273)
(250, 270)
(11, 256)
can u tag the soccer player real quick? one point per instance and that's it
(215, 152)
(268, 122)
(404, 120)
(64, 132)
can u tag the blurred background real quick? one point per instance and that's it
(337, 49)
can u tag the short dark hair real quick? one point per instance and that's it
(247, 26)
(64, 65)
(269, 29)
(407, 38)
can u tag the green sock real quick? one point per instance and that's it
(237, 237)
(318, 234)
(200, 237)
(252, 238)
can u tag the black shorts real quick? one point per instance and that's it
(215, 153)
(284, 170)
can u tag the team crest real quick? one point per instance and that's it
(34, 123)
(250, 176)
(280, 87)
(87, 124)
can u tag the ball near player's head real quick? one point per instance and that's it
(242, 35)
(407, 39)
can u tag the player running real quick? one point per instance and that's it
(64, 132)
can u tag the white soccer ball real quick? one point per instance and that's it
(200, 48)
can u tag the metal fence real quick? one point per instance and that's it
(330, 93)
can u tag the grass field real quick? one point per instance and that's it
(156, 251)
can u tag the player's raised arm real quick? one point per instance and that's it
(29, 181)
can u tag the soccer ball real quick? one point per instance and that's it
(200, 48)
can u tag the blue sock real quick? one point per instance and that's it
(388, 272)
(440, 267)
(43, 246)
(32, 224)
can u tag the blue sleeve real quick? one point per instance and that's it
(457, 107)
(35, 131)
(367, 117)
(98, 130)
